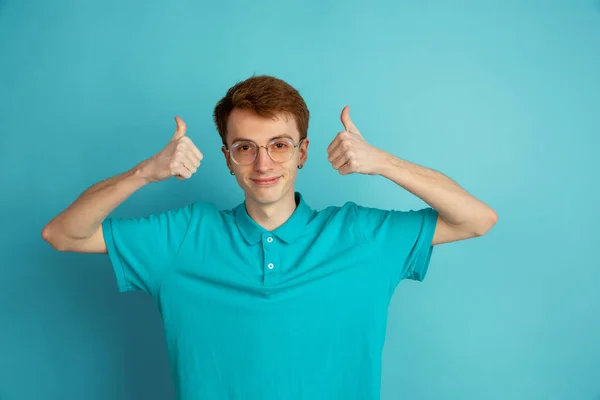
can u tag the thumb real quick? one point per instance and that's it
(180, 130)
(347, 122)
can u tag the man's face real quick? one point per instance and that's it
(264, 181)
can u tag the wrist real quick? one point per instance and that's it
(387, 164)
(141, 173)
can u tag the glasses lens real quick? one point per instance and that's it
(243, 152)
(281, 150)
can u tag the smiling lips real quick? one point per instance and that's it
(265, 182)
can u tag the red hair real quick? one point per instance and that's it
(267, 96)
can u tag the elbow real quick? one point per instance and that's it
(487, 223)
(51, 238)
(46, 234)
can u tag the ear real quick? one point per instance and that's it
(304, 151)
(227, 160)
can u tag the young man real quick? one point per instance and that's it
(271, 299)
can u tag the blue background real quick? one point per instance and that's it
(503, 97)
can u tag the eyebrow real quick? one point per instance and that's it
(283, 135)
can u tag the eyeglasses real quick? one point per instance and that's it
(279, 150)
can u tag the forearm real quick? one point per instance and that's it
(453, 203)
(85, 215)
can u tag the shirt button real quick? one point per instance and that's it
(270, 266)
(269, 239)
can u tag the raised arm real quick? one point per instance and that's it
(460, 215)
(79, 227)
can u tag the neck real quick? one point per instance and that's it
(273, 215)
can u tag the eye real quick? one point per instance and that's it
(281, 144)
(243, 147)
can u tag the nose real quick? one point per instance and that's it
(263, 162)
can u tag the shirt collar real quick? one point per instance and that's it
(288, 232)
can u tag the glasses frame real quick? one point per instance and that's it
(295, 146)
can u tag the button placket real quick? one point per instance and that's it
(271, 267)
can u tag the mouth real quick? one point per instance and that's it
(266, 182)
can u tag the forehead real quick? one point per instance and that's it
(248, 125)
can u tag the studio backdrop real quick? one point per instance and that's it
(503, 97)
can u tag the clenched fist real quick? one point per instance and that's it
(180, 158)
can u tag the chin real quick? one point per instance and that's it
(267, 195)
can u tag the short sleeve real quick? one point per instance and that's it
(402, 238)
(142, 250)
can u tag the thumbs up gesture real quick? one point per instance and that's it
(349, 152)
(180, 158)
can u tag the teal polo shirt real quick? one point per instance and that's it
(299, 312)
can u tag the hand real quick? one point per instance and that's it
(349, 152)
(180, 158)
